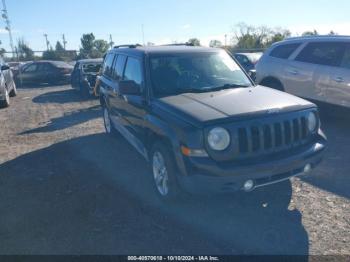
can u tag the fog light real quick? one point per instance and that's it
(248, 185)
(307, 168)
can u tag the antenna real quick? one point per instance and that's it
(8, 25)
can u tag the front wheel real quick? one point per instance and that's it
(164, 173)
(6, 101)
(13, 91)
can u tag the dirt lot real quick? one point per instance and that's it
(67, 188)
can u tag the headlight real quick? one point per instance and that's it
(312, 122)
(218, 138)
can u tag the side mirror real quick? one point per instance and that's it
(129, 87)
(5, 67)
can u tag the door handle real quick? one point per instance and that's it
(293, 71)
(338, 79)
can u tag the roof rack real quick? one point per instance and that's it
(127, 46)
(180, 44)
(315, 36)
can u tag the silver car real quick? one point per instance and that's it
(316, 68)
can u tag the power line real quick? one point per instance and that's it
(8, 25)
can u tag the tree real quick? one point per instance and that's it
(194, 41)
(310, 33)
(92, 48)
(257, 37)
(52, 55)
(2, 50)
(59, 47)
(87, 45)
(215, 43)
(100, 47)
(25, 53)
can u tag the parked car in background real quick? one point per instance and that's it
(317, 68)
(14, 66)
(84, 75)
(248, 60)
(7, 84)
(202, 124)
(51, 72)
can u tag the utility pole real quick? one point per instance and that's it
(111, 43)
(64, 41)
(8, 25)
(47, 42)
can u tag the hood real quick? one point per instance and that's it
(238, 102)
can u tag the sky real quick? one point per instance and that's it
(164, 21)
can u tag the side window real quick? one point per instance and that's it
(119, 67)
(323, 53)
(345, 62)
(30, 68)
(107, 65)
(133, 70)
(284, 51)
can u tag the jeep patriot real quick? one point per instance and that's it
(202, 124)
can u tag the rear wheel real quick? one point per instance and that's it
(6, 101)
(164, 173)
(13, 91)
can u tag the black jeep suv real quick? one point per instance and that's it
(201, 122)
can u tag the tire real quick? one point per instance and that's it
(6, 102)
(273, 83)
(109, 128)
(13, 92)
(164, 173)
(84, 92)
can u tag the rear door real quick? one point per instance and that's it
(298, 75)
(107, 83)
(338, 79)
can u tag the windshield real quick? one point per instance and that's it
(91, 68)
(196, 72)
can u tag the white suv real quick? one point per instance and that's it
(316, 67)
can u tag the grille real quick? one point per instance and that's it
(275, 136)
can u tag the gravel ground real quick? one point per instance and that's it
(67, 188)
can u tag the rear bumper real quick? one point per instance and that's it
(209, 177)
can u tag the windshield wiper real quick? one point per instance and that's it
(227, 86)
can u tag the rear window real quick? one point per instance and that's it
(323, 53)
(284, 51)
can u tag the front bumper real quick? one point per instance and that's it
(209, 177)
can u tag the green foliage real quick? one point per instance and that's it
(261, 37)
(194, 41)
(92, 48)
(52, 55)
(25, 53)
(59, 47)
(2, 50)
(310, 33)
(215, 43)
